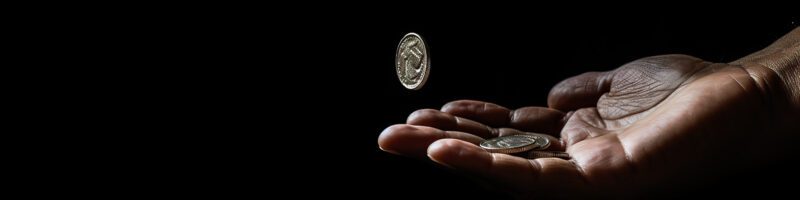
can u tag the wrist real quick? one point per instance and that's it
(776, 70)
(785, 65)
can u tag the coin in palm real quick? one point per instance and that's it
(512, 143)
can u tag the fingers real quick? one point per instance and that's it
(483, 112)
(446, 121)
(533, 119)
(413, 140)
(514, 173)
(538, 119)
(470, 158)
(579, 91)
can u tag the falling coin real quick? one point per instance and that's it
(412, 61)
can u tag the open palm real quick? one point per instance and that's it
(654, 124)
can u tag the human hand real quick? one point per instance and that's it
(653, 124)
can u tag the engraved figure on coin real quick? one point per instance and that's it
(511, 142)
(411, 61)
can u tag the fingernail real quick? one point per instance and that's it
(388, 150)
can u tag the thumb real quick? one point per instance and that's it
(579, 91)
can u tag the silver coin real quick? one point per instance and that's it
(543, 143)
(548, 154)
(512, 143)
(412, 61)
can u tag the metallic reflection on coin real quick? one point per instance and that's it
(543, 143)
(548, 154)
(512, 143)
(412, 61)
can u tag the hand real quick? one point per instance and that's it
(654, 124)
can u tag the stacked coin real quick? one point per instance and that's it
(512, 144)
